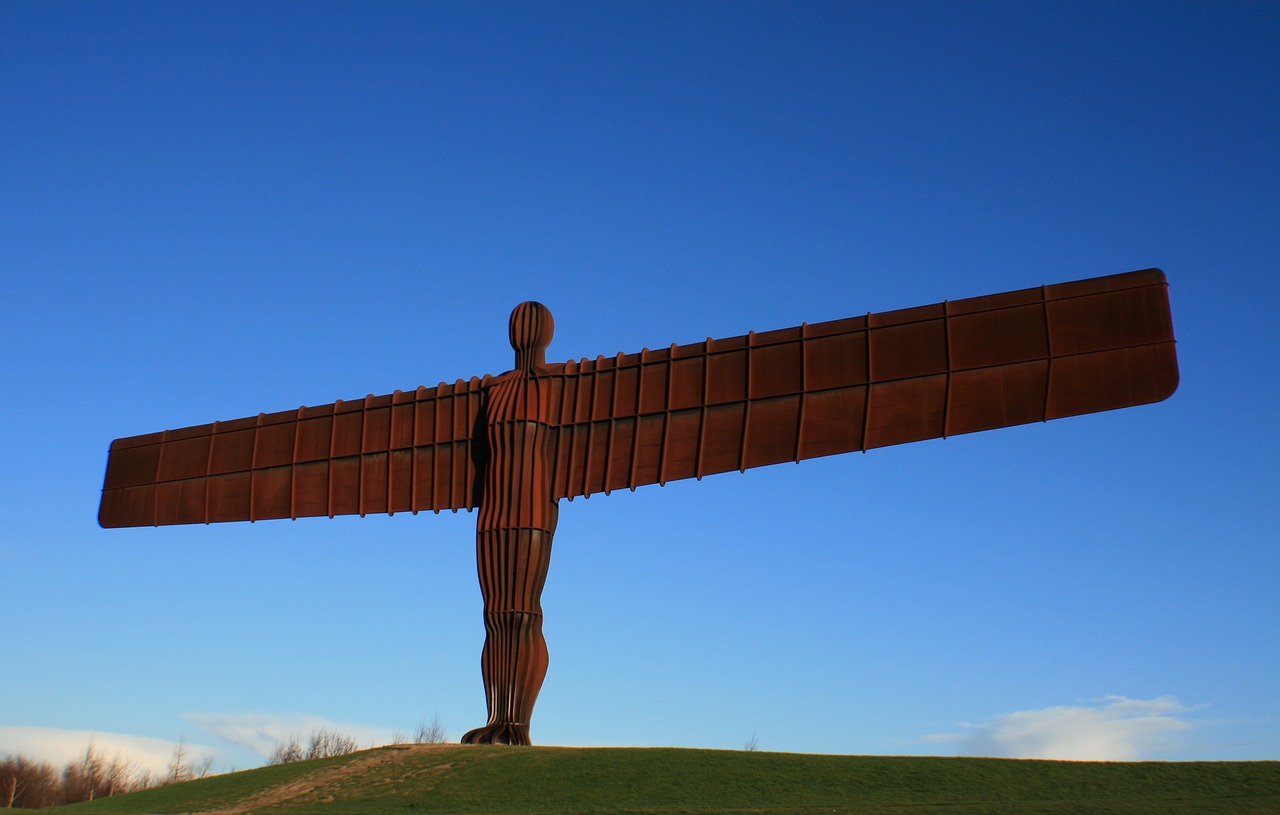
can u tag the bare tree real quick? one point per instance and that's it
(178, 763)
(430, 733)
(324, 743)
(82, 779)
(28, 783)
(181, 767)
(287, 752)
(12, 780)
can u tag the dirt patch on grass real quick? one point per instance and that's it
(307, 786)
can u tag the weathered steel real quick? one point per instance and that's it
(514, 444)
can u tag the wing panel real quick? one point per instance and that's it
(909, 349)
(272, 445)
(833, 422)
(232, 452)
(313, 438)
(271, 492)
(1107, 380)
(310, 490)
(1000, 337)
(129, 466)
(228, 498)
(1113, 319)
(773, 431)
(344, 486)
(180, 502)
(863, 382)
(721, 442)
(836, 360)
(727, 375)
(399, 452)
(906, 410)
(1003, 396)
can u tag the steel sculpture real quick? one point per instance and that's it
(515, 444)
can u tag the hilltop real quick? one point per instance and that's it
(497, 780)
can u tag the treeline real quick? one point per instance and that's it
(32, 784)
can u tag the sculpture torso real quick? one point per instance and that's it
(517, 479)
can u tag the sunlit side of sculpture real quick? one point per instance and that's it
(513, 445)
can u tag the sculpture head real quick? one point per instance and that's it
(531, 328)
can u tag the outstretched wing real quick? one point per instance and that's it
(864, 382)
(407, 451)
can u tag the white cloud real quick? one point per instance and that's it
(259, 733)
(58, 747)
(1114, 728)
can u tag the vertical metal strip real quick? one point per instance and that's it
(391, 453)
(253, 467)
(436, 443)
(804, 389)
(475, 400)
(475, 404)
(561, 427)
(155, 491)
(1048, 344)
(461, 445)
(579, 387)
(746, 406)
(364, 408)
(208, 470)
(413, 451)
(591, 426)
(333, 438)
(474, 407)
(666, 416)
(946, 339)
(613, 423)
(293, 467)
(444, 439)
(702, 418)
(564, 432)
(457, 490)
(635, 432)
(871, 381)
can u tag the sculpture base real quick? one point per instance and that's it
(499, 734)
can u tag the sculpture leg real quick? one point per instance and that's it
(513, 568)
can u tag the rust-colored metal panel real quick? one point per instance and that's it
(852, 384)
(901, 376)
(407, 451)
(514, 444)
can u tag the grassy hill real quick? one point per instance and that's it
(652, 781)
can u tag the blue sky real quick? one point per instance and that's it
(212, 210)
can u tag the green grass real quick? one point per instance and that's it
(500, 780)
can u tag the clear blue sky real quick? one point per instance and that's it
(212, 210)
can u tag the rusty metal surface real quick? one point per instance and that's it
(405, 451)
(516, 523)
(864, 382)
(514, 444)
(679, 412)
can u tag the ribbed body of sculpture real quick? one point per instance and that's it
(516, 523)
